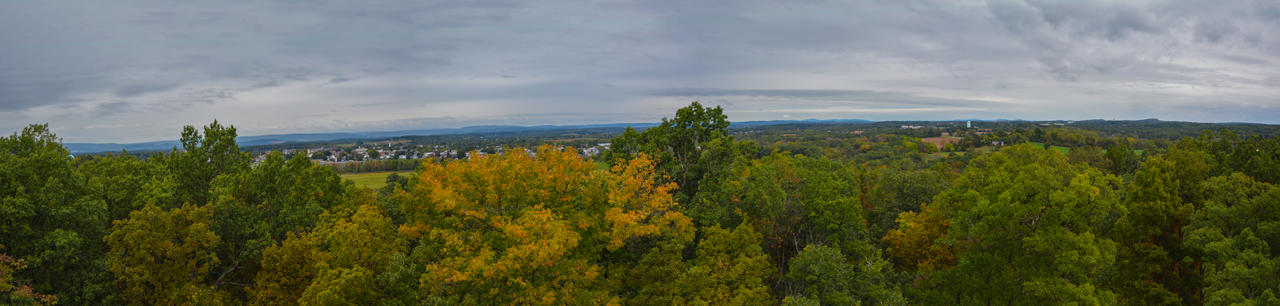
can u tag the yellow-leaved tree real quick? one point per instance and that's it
(163, 256)
(914, 245)
(335, 264)
(528, 228)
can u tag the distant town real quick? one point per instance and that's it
(392, 150)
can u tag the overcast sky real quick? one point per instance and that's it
(104, 71)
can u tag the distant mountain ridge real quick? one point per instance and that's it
(484, 129)
(78, 147)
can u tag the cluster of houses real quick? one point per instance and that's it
(368, 152)
(968, 126)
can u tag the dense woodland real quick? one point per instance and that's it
(687, 212)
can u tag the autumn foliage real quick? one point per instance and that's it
(682, 213)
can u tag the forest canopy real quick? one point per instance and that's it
(686, 212)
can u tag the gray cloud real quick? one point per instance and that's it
(114, 71)
(860, 97)
(112, 108)
(138, 89)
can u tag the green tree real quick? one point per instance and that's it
(689, 147)
(396, 181)
(341, 286)
(257, 208)
(203, 158)
(118, 180)
(822, 273)
(339, 263)
(899, 191)
(1154, 266)
(287, 270)
(1122, 159)
(730, 269)
(1237, 232)
(795, 201)
(1088, 155)
(1255, 156)
(49, 217)
(653, 277)
(163, 257)
(1028, 226)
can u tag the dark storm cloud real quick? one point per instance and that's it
(127, 71)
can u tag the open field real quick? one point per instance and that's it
(373, 180)
(1135, 151)
(941, 142)
(1062, 150)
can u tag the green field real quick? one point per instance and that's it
(1062, 150)
(1135, 151)
(947, 154)
(372, 180)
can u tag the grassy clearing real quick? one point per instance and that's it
(1062, 150)
(1137, 152)
(373, 180)
(947, 154)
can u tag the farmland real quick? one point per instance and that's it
(372, 180)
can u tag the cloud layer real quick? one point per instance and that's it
(106, 71)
